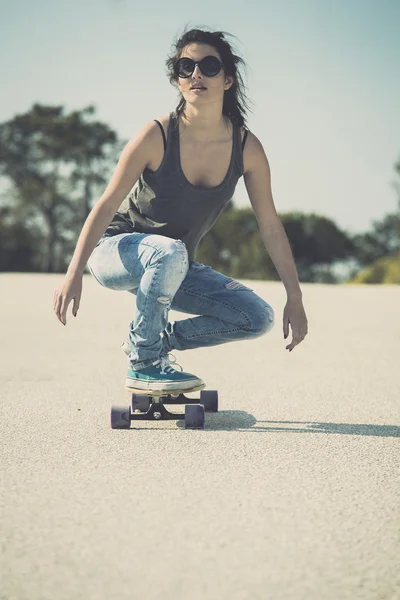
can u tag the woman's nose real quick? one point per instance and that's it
(197, 71)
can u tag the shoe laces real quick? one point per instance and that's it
(166, 362)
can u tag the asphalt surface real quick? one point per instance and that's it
(291, 492)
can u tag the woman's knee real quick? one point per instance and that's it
(171, 247)
(172, 253)
(261, 317)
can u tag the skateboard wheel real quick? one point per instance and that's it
(209, 399)
(120, 417)
(140, 402)
(194, 416)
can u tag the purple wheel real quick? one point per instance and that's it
(194, 416)
(209, 399)
(120, 417)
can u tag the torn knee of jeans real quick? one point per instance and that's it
(235, 285)
(270, 314)
(164, 300)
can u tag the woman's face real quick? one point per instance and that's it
(215, 87)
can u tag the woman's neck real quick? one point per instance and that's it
(204, 128)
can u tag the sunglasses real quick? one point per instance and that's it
(210, 66)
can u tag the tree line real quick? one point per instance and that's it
(54, 166)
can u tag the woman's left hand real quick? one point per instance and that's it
(295, 315)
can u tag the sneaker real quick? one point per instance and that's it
(161, 375)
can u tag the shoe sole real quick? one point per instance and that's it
(140, 384)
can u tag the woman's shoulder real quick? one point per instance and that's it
(252, 140)
(253, 153)
(164, 121)
(244, 133)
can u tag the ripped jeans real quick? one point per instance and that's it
(156, 269)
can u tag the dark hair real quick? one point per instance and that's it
(236, 103)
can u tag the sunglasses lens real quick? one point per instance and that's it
(184, 67)
(210, 66)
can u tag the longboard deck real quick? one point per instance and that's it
(173, 392)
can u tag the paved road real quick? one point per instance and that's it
(291, 492)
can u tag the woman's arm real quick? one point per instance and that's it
(133, 160)
(257, 178)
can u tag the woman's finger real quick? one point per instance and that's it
(75, 306)
(285, 327)
(295, 342)
(64, 308)
(57, 307)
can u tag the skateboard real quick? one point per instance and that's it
(148, 405)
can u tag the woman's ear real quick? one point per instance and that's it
(228, 83)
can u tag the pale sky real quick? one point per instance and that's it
(322, 74)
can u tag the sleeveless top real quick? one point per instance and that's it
(164, 202)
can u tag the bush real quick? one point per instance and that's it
(383, 270)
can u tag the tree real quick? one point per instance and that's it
(234, 245)
(55, 164)
(17, 245)
(383, 240)
(378, 251)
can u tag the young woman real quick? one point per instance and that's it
(187, 165)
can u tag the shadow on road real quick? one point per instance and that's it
(234, 420)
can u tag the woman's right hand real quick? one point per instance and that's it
(70, 289)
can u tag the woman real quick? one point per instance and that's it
(187, 165)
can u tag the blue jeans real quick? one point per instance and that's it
(156, 269)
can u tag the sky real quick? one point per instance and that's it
(321, 75)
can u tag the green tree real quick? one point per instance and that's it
(383, 240)
(17, 245)
(234, 245)
(378, 251)
(55, 165)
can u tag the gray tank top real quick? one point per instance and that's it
(165, 203)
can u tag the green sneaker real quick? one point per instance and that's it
(161, 375)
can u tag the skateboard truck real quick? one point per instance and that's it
(149, 406)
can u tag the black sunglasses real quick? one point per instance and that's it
(210, 66)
